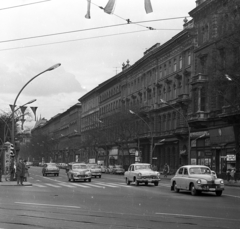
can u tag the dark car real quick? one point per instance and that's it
(50, 168)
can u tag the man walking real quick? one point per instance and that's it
(20, 171)
(166, 170)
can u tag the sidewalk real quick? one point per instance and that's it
(12, 183)
(226, 183)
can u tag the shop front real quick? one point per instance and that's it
(215, 148)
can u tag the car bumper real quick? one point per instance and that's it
(51, 172)
(96, 173)
(81, 177)
(210, 188)
(149, 180)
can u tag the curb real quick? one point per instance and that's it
(14, 183)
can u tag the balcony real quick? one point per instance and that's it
(199, 79)
(183, 98)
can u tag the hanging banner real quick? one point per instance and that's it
(23, 109)
(34, 111)
(109, 8)
(148, 6)
(88, 10)
(11, 106)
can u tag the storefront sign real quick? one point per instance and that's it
(222, 135)
(231, 157)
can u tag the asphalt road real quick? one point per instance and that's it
(107, 202)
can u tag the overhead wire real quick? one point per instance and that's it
(27, 4)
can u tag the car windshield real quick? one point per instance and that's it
(138, 167)
(51, 166)
(79, 167)
(118, 166)
(93, 166)
(199, 170)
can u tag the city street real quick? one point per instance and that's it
(107, 202)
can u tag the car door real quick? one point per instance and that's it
(130, 173)
(185, 179)
(178, 178)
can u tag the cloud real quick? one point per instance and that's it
(13, 77)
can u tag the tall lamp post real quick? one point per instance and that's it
(15, 101)
(189, 139)
(150, 129)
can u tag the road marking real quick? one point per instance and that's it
(48, 205)
(80, 185)
(52, 185)
(96, 186)
(108, 185)
(122, 185)
(66, 185)
(195, 216)
(232, 196)
(39, 185)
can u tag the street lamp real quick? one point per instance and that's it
(150, 129)
(15, 101)
(189, 140)
(231, 79)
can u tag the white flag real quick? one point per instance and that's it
(148, 6)
(109, 8)
(88, 10)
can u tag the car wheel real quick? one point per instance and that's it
(156, 183)
(146, 183)
(100, 176)
(69, 179)
(43, 174)
(128, 182)
(89, 180)
(194, 192)
(218, 193)
(175, 187)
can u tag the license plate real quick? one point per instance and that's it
(212, 189)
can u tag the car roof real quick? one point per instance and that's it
(140, 164)
(192, 166)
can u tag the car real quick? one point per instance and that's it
(196, 179)
(50, 168)
(118, 169)
(141, 173)
(95, 170)
(78, 171)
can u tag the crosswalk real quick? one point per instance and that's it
(99, 185)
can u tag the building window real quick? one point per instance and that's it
(160, 73)
(165, 70)
(180, 62)
(189, 58)
(169, 67)
(175, 65)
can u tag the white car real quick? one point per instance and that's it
(141, 173)
(196, 179)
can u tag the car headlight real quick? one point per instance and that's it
(139, 174)
(199, 181)
(221, 182)
(158, 174)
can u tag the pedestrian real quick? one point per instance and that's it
(26, 174)
(232, 173)
(20, 171)
(166, 170)
(228, 175)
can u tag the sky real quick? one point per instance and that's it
(36, 34)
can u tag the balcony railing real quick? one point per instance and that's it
(199, 78)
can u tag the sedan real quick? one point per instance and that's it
(78, 171)
(95, 170)
(196, 179)
(118, 169)
(50, 168)
(141, 173)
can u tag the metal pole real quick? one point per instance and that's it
(15, 101)
(151, 141)
(189, 139)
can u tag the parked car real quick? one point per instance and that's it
(196, 179)
(109, 169)
(118, 169)
(50, 168)
(103, 169)
(141, 173)
(62, 165)
(95, 170)
(78, 171)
